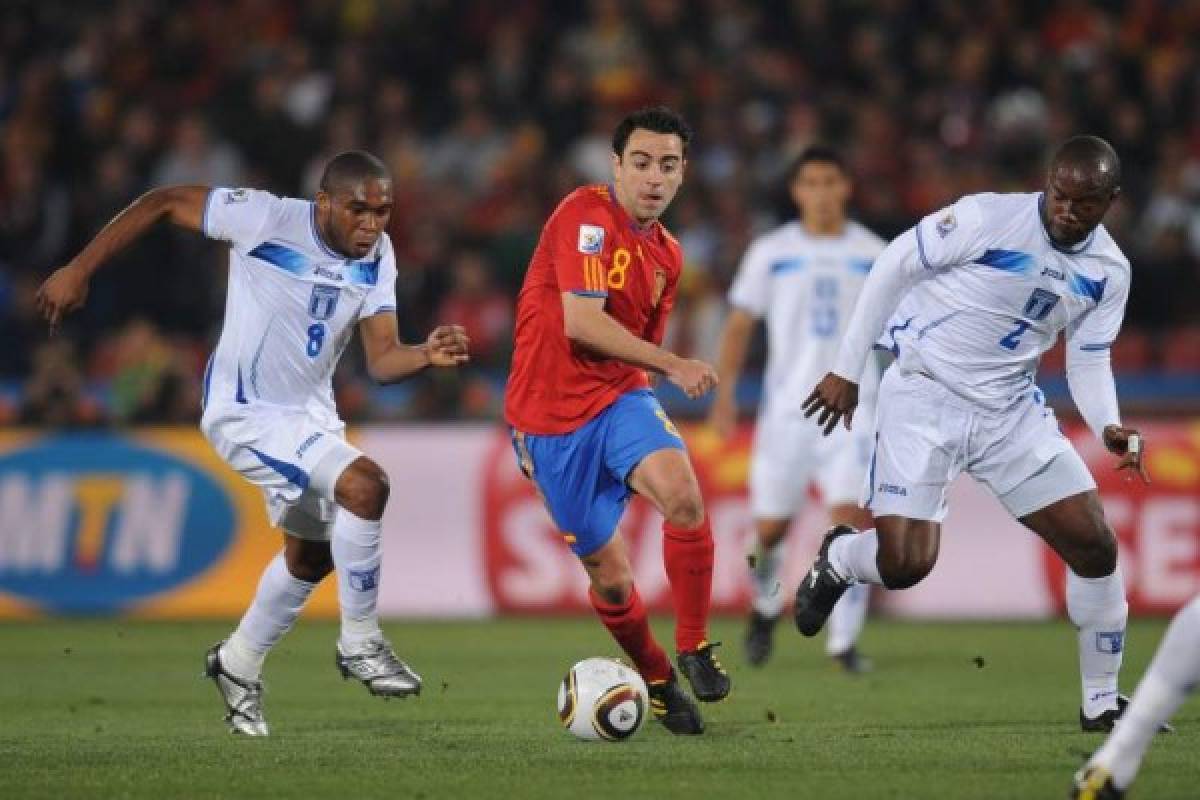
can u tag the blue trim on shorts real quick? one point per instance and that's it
(871, 474)
(290, 472)
(583, 474)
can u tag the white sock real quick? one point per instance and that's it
(769, 596)
(1097, 607)
(847, 619)
(357, 555)
(854, 557)
(1173, 674)
(277, 603)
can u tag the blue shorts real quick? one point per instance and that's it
(582, 474)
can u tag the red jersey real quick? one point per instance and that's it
(592, 247)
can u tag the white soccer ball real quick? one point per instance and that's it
(602, 699)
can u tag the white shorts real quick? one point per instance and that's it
(790, 452)
(292, 457)
(927, 435)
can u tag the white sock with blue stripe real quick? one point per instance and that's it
(1097, 607)
(357, 556)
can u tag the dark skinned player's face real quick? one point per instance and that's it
(354, 217)
(1076, 201)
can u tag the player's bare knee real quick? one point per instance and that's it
(903, 570)
(363, 489)
(612, 580)
(684, 508)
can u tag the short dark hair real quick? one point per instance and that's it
(816, 154)
(350, 168)
(1093, 154)
(658, 119)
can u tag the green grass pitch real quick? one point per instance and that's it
(107, 709)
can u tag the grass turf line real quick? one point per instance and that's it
(118, 709)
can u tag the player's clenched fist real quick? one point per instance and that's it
(63, 292)
(1129, 445)
(447, 346)
(695, 377)
(834, 397)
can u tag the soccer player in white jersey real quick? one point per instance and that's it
(802, 278)
(1173, 675)
(975, 294)
(302, 276)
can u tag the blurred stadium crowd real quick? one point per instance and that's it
(489, 112)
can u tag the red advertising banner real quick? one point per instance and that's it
(990, 566)
(1158, 525)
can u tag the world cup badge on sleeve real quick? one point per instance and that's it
(947, 224)
(591, 239)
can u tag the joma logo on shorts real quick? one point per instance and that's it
(891, 488)
(307, 443)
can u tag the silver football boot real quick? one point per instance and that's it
(243, 699)
(380, 670)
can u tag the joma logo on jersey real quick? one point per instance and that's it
(328, 273)
(323, 301)
(1054, 273)
(891, 488)
(93, 523)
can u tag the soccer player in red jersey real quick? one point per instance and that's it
(586, 427)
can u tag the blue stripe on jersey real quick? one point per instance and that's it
(241, 390)
(862, 265)
(365, 273)
(1086, 287)
(207, 381)
(1096, 346)
(290, 472)
(921, 248)
(1007, 260)
(895, 348)
(787, 265)
(281, 256)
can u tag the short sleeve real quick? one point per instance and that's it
(238, 216)
(1095, 330)
(579, 242)
(952, 236)
(381, 297)
(751, 286)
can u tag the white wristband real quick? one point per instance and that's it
(1133, 445)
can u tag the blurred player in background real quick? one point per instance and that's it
(302, 276)
(975, 294)
(802, 278)
(1173, 675)
(586, 427)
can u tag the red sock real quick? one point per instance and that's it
(629, 625)
(688, 556)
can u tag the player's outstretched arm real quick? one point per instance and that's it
(735, 338)
(389, 360)
(66, 289)
(586, 323)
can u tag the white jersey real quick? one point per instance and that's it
(804, 287)
(996, 293)
(291, 306)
